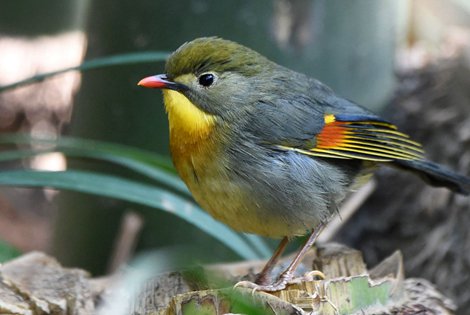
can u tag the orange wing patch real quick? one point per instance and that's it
(332, 135)
(364, 139)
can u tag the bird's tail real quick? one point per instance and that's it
(437, 175)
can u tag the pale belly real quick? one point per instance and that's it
(234, 202)
(236, 206)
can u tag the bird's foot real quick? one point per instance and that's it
(308, 277)
(280, 284)
(284, 280)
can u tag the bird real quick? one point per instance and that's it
(270, 151)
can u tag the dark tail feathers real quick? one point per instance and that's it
(437, 175)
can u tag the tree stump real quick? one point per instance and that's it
(348, 288)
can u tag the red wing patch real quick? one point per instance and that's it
(333, 135)
(364, 139)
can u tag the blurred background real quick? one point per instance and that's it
(407, 59)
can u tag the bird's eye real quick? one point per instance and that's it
(206, 79)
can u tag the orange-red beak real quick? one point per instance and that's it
(160, 81)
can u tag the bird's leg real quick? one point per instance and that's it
(263, 276)
(286, 276)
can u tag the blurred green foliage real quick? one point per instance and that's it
(7, 252)
(177, 202)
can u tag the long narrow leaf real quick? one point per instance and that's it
(259, 244)
(143, 162)
(166, 178)
(124, 59)
(144, 156)
(20, 154)
(140, 161)
(123, 189)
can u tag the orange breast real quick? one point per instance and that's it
(191, 135)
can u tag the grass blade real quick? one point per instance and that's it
(123, 189)
(52, 144)
(124, 59)
(151, 165)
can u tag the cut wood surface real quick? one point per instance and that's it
(349, 288)
(37, 284)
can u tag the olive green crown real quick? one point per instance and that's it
(215, 54)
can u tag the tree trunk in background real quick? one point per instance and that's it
(30, 30)
(349, 45)
(55, 17)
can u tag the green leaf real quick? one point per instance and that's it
(20, 154)
(123, 189)
(149, 164)
(146, 163)
(124, 59)
(7, 252)
(259, 244)
(52, 143)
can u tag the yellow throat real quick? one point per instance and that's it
(188, 123)
(191, 144)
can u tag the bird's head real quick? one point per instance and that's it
(219, 78)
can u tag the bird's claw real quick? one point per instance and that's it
(247, 285)
(279, 285)
(312, 276)
(284, 280)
